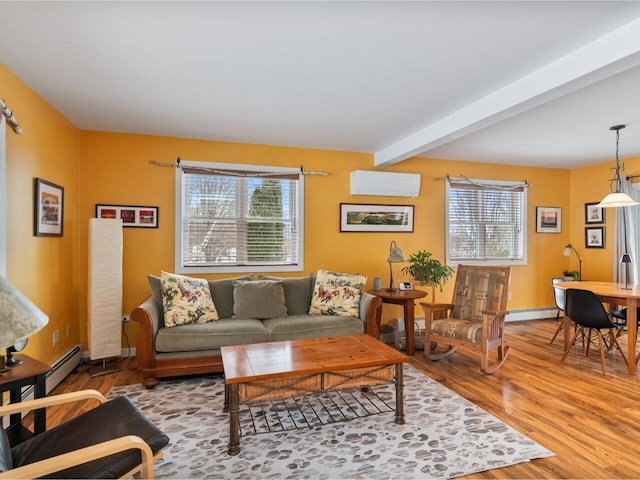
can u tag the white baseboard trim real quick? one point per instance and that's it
(124, 353)
(531, 314)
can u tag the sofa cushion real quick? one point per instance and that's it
(297, 292)
(222, 294)
(258, 299)
(211, 336)
(186, 300)
(295, 327)
(337, 294)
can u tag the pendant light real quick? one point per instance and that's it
(617, 198)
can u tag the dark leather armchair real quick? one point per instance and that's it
(112, 440)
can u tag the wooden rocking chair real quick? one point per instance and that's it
(476, 316)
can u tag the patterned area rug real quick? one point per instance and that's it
(444, 436)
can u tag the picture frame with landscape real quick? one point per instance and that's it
(131, 215)
(357, 217)
(548, 219)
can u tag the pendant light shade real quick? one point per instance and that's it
(617, 198)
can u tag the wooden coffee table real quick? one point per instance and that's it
(262, 371)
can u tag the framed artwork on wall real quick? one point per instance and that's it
(48, 209)
(594, 237)
(131, 215)
(358, 217)
(548, 219)
(593, 213)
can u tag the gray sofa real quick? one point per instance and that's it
(195, 348)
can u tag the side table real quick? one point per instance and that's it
(29, 372)
(407, 299)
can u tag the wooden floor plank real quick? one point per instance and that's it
(590, 421)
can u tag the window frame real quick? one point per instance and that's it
(524, 216)
(207, 269)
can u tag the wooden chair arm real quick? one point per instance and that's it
(84, 455)
(52, 400)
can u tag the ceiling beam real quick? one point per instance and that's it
(609, 55)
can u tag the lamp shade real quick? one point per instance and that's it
(567, 251)
(617, 199)
(19, 318)
(395, 254)
(626, 258)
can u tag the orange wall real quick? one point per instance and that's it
(587, 185)
(116, 170)
(99, 167)
(45, 269)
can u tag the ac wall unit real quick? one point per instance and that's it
(386, 184)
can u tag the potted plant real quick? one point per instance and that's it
(571, 275)
(427, 270)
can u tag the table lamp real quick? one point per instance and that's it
(626, 260)
(567, 253)
(395, 256)
(19, 318)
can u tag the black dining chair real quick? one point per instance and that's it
(584, 308)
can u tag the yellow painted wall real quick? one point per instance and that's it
(587, 185)
(99, 167)
(45, 269)
(116, 170)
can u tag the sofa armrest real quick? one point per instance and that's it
(370, 313)
(149, 315)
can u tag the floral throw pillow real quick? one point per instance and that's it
(186, 300)
(337, 294)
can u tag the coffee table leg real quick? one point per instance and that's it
(225, 407)
(234, 401)
(399, 395)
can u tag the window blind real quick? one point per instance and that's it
(485, 222)
(239, 218)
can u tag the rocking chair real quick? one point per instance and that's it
(476, 316)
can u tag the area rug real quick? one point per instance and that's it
(445, 436)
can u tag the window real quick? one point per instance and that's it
(238, 218)
(486, 222)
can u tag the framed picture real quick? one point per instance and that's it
(594, 237)
(48, 209)
(356, 217)
(548, 219)
(131, 215)
(593, 213)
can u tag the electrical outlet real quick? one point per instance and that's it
(126, 319)
(56, 337)
(509, 296)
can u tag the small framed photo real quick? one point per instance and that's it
(548, 219)
(131, 215)
(593, 213)
(48, 209)
(594, 237)
(357, 217)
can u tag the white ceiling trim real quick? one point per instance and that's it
(609, 55)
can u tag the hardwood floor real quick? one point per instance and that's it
(591, 422)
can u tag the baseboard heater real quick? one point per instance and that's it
(59, 370)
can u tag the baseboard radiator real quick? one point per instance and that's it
(59, 370)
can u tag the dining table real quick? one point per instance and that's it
(615, 294)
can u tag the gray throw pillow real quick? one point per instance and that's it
(222, 294)
(259, 299)
(155, 285)
(297, 292)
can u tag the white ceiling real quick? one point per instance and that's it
(531, 83)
